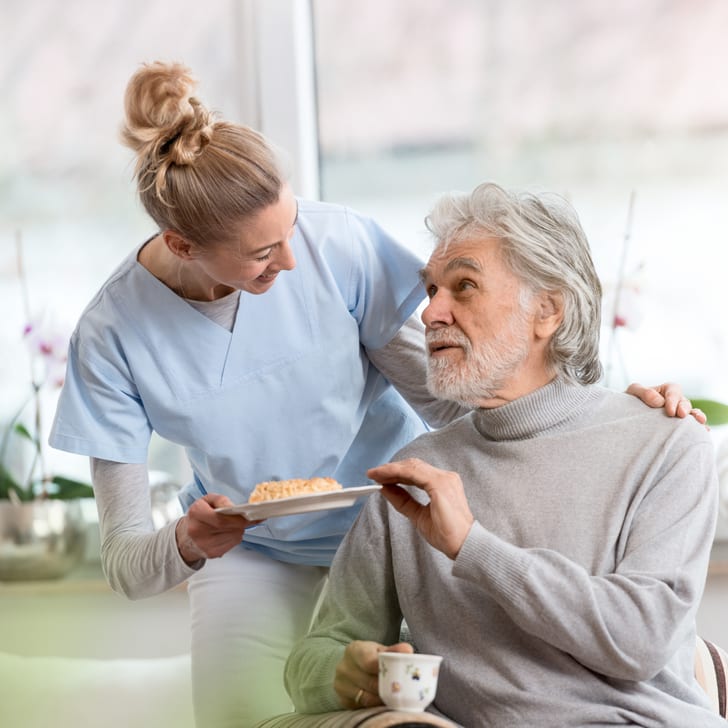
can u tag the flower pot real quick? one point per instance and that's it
(42, 539)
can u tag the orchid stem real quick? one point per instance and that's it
(21, 274)
(39, 456)
(613, 345)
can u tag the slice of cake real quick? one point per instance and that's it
(274, 489)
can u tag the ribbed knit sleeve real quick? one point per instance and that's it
(629, 622)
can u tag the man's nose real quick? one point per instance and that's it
(438, 311)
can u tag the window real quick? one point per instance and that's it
(414, 98)
(595, 101)
(66, 181)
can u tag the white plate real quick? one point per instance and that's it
(300, 503)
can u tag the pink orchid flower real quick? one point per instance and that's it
(48, 348)
(628, 310)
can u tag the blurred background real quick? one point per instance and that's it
(618, 106)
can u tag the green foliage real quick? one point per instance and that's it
(67, 488)
(716, 412)
(47, 353)
(8, 483)
(57, 486)
(60, 488)
(22, 430)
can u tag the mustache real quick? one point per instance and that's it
(450, 335)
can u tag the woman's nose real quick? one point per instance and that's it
(285, 259)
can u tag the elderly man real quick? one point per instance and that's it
(552, 545)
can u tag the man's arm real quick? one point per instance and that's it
(626, 624)
(326, 670)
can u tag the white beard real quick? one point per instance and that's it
(486, 369)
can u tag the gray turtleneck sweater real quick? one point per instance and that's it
(572, 601)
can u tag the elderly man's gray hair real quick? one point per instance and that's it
(543, 243)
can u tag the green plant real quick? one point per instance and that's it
(716, 412)
(47, 358)
(36, 483)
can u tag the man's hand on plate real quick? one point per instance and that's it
(446, 520)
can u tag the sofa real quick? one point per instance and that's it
(72, 692)
(37, 692)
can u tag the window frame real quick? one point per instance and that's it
(277, 83)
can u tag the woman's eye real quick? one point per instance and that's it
(265, 257)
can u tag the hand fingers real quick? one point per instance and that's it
(217, 500)
(211, 532)
(357, 675)
(684, 407)
(411, 471)
(669, 396)
(676, 404)
(651, 396)
(402, 501)
(203, 511)
(361, 699)
(356, 680)
(399, 647)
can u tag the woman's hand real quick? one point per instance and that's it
(204, 534)
(446, 520)
(357, 675)
(669, 396)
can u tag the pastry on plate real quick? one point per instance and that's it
(275, 489)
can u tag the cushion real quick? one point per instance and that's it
(38, 692)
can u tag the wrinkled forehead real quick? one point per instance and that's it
(477, 255)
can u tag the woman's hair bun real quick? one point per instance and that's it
(197, 175)
(164, 123)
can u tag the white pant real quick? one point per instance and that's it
(247, 612)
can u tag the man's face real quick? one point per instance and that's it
(479, 324)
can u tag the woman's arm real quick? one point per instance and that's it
(137, 560)
(403, 361)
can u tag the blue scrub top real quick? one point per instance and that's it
(289, 393)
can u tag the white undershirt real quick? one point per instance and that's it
(222, 311)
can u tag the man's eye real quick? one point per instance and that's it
(465, 284)
(431, 291)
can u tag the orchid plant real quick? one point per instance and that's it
(47, 362)
(622, 308)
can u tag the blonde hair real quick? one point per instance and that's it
(195, 175)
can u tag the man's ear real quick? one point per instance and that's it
(179, 246)
(549, 314)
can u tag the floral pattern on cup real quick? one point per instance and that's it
(408, 682)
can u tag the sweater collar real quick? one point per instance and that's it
(544, 409)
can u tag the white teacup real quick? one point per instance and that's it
(408, 682)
